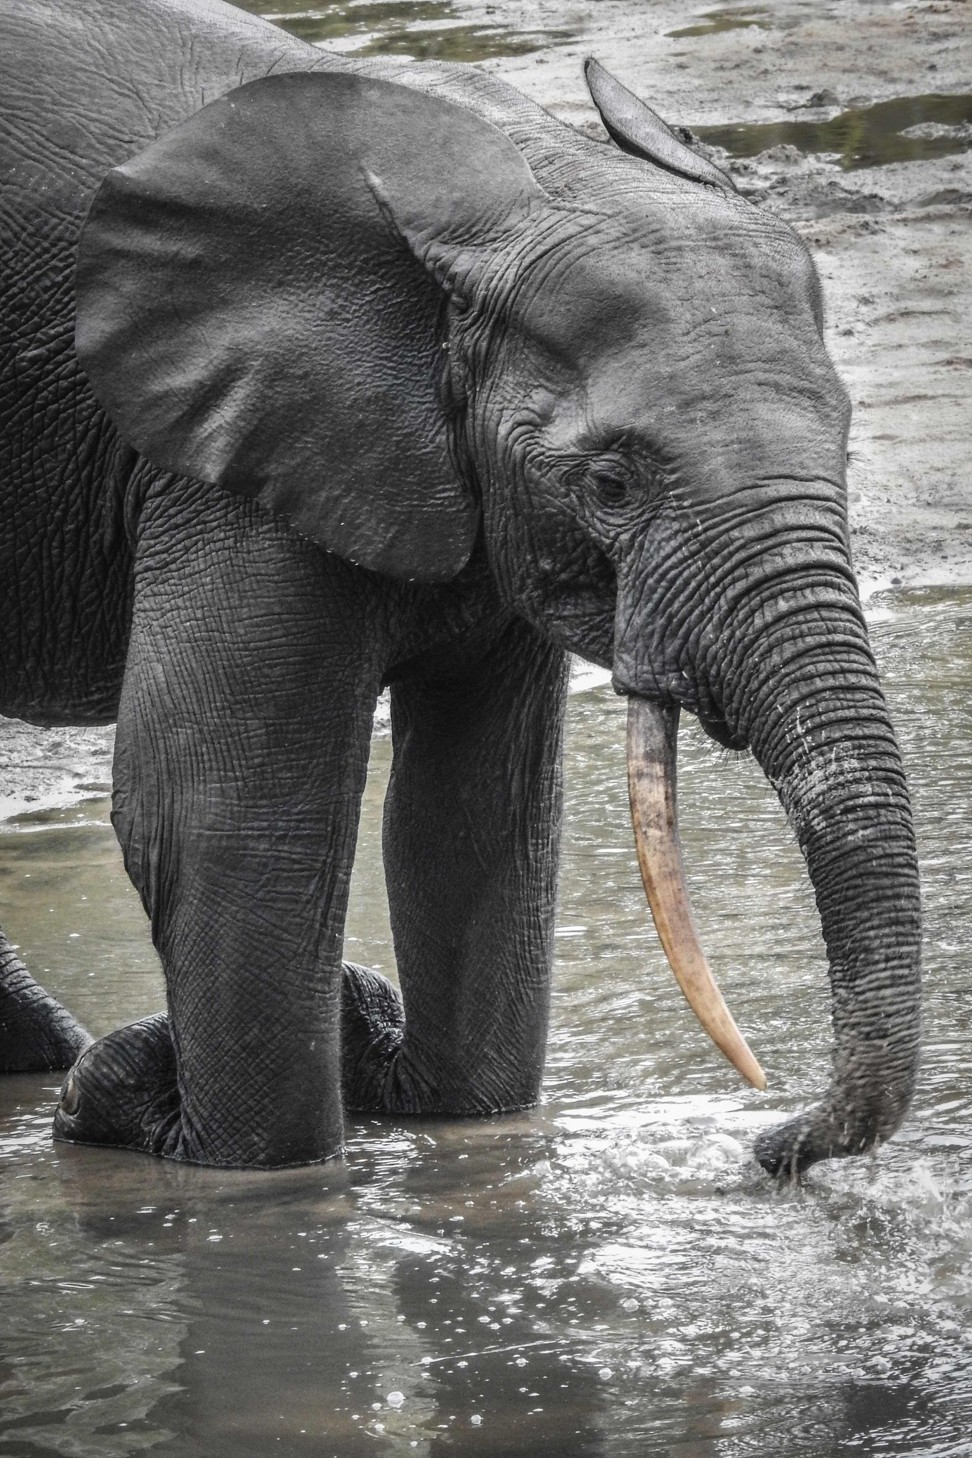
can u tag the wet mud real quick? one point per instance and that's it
(425, 30)
(908, 129)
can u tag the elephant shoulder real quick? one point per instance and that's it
(87, 83)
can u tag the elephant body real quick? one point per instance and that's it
(356, 406)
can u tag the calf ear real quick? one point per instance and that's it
(639, 130)
(251, 314)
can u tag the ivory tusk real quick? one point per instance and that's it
(652, 744)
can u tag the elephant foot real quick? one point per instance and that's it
(378, 1074)
(37, 1034)
(123, 1091)
(383, 1072)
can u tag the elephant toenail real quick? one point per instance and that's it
(70, 1100)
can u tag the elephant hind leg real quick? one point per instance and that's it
(36, 1032)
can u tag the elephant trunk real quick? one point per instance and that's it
(811, 708)
(830, 752)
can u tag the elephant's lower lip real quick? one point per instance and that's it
(716, 728)
(719, 731)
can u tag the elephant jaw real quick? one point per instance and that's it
(652, 745)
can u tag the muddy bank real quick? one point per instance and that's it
(893, 242)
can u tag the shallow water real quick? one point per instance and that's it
(906, 129)
(609, 1275)
(426, 30)
(714, 22)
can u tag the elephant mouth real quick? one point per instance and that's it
(652, 756)
(719, 732)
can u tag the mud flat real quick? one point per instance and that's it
(853, 120)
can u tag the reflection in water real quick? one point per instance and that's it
(909, 129)
(610, 1275)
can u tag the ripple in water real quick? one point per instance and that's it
(609, 1275)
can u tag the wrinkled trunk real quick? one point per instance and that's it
(832, 757)
(809, 703)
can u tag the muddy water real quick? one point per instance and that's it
(426, 30)
(736, 17)
(609, 1275)
(908, 129)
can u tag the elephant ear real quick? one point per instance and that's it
(639, 130)
(251, 314)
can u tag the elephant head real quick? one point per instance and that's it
(413, 339)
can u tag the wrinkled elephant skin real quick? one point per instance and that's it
(323, 375)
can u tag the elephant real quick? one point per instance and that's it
(328, 375)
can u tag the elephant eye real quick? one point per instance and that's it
(612, 483)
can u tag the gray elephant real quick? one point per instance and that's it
(383, 376)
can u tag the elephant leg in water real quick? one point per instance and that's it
(472, 824)
(472, 827)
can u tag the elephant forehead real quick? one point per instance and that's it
(722, 411)
(584, 294)
(658, 285)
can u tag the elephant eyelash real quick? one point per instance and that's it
(613, 483)
(617, 481)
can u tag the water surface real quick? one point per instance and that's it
(610, 1275)
(426, 30)
(906, 129)
(714, 22)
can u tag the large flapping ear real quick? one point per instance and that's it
(250, 313)
(639, 130)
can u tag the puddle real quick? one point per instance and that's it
(908, 129)
(427, 30)
(712, 22)
(607, 1276)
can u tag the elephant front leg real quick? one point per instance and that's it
(471, 840)
(36, 1032)
(241, 755)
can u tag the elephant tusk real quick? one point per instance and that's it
(652, 745)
